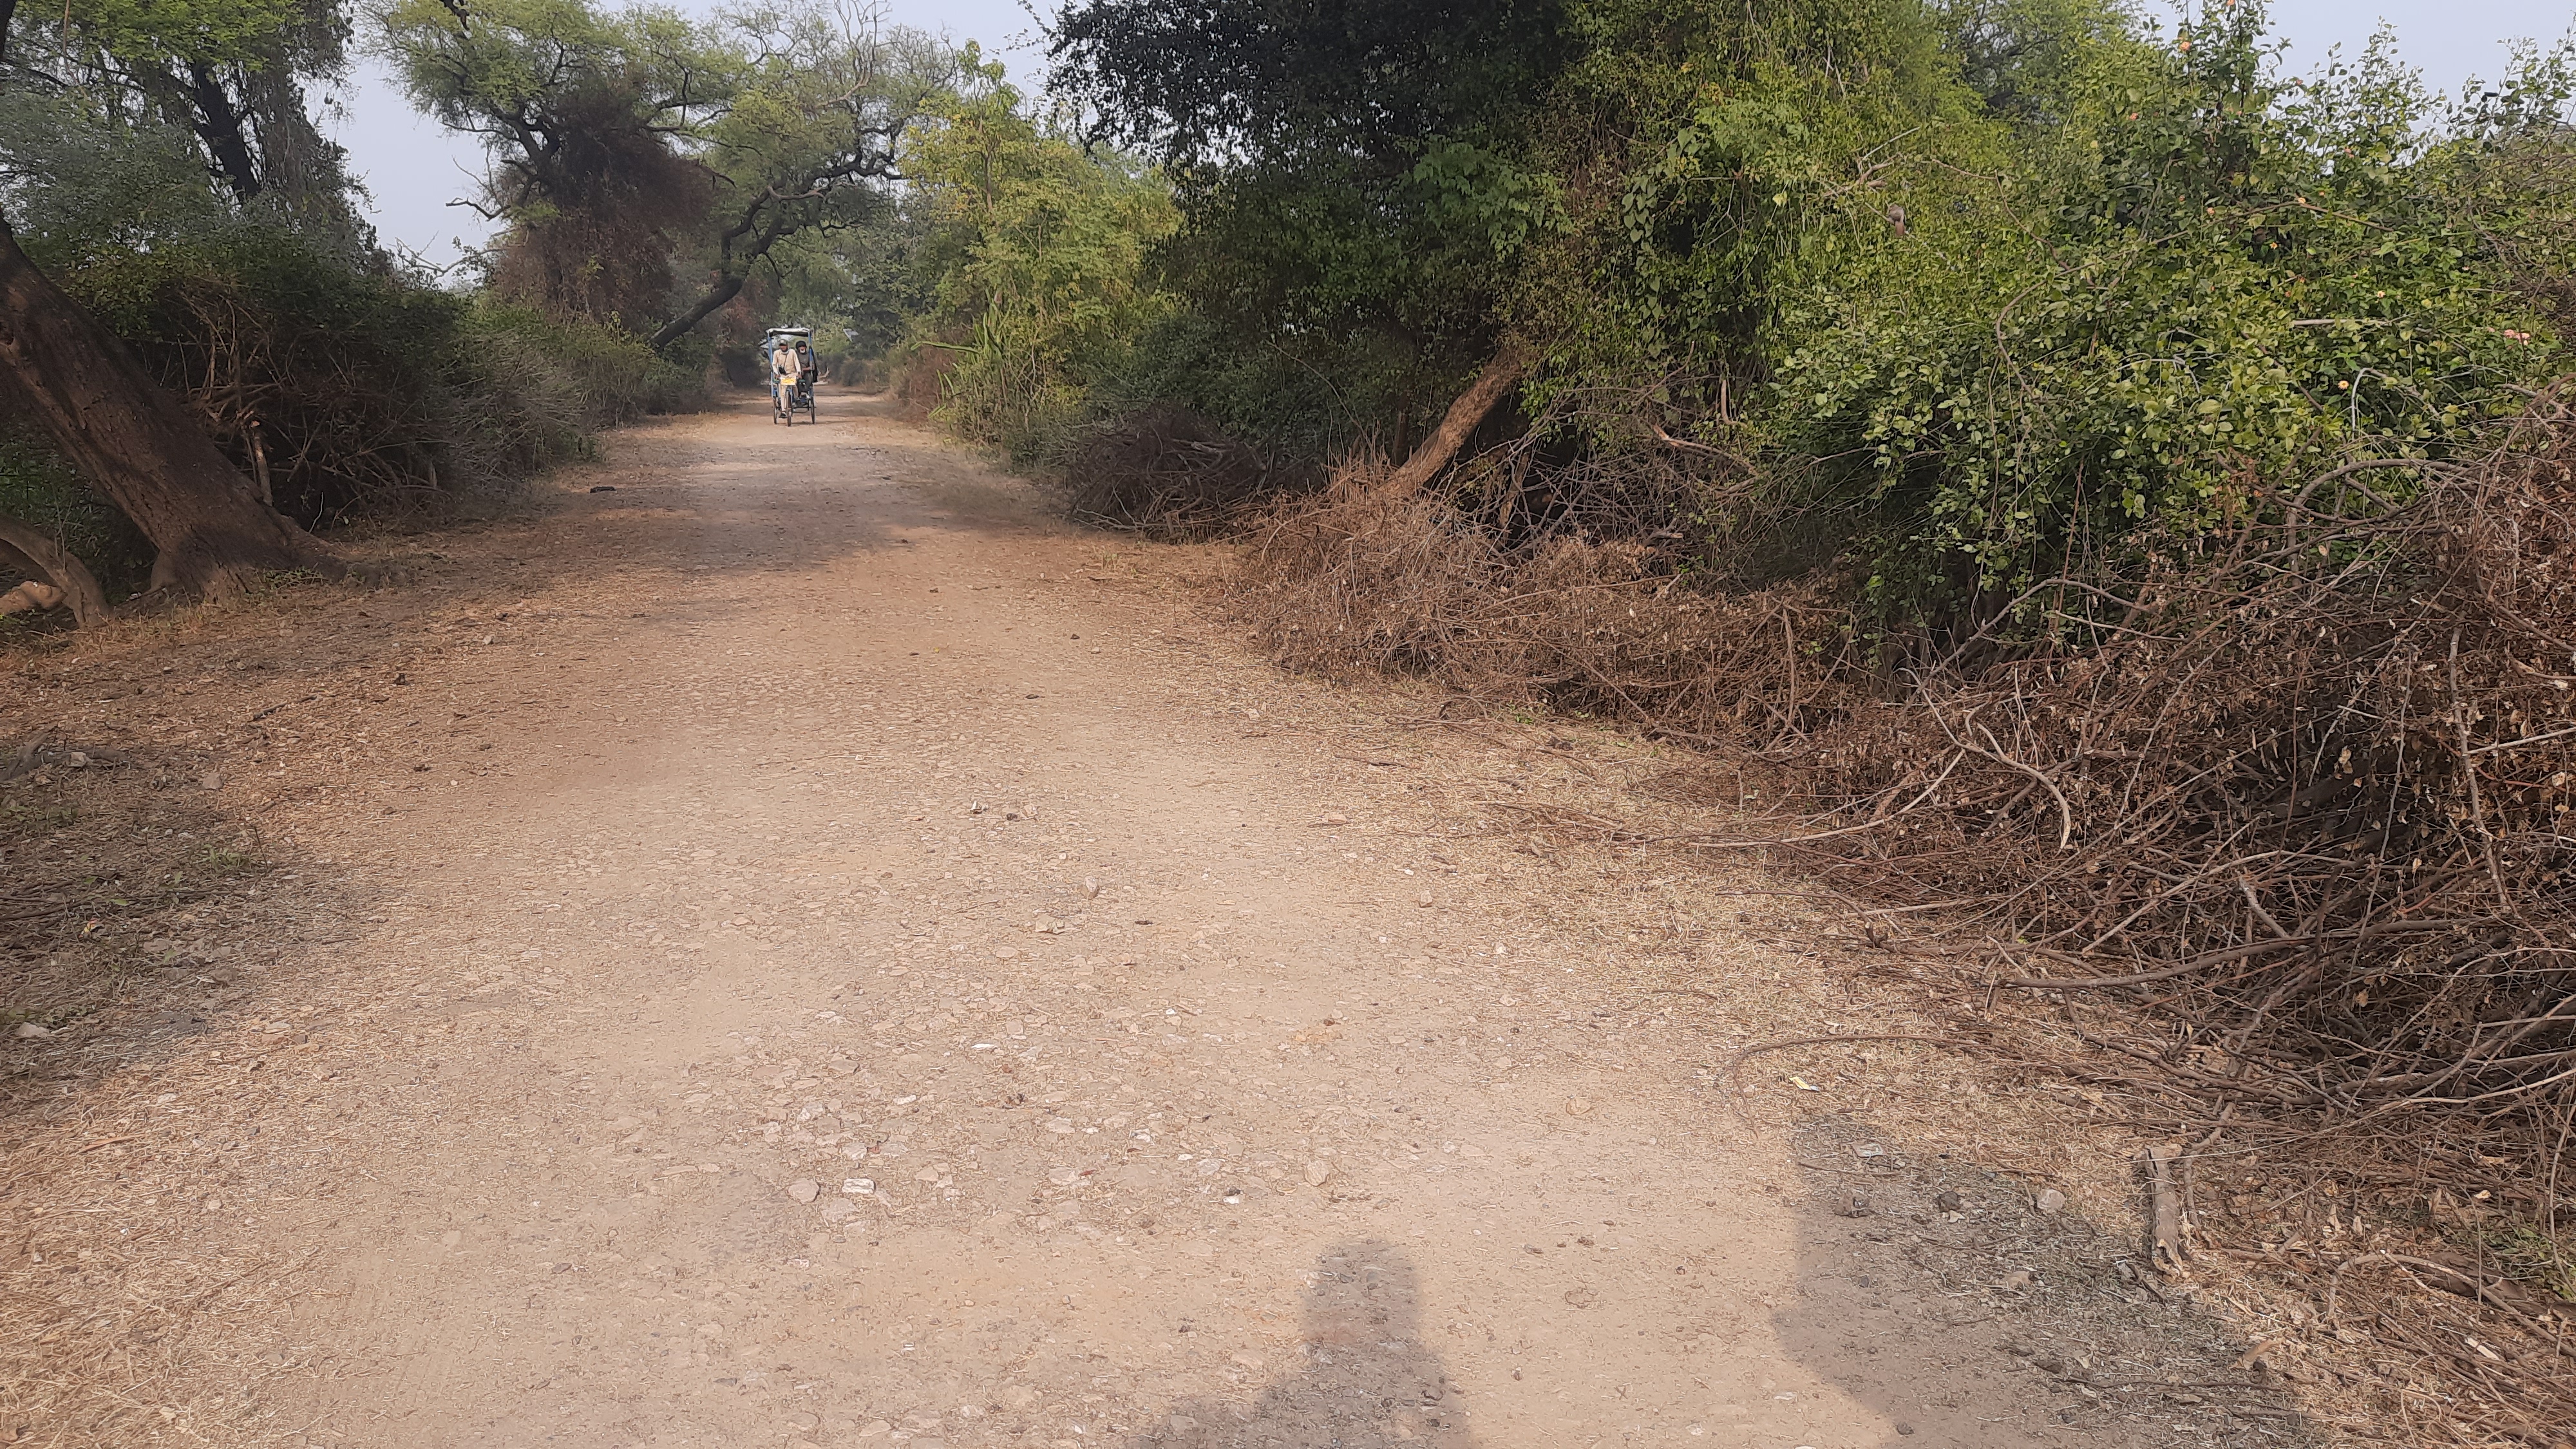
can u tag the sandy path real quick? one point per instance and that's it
(851, 967)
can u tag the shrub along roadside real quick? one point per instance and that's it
(347, 394)
(1035, 250)
(358, 391)
(1959, 292)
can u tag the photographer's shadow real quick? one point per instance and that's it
(1365, 1380)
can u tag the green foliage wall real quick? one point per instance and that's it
(365, 391)
(371, 394)
(1981, 291)
(1034, 256)
(2191, 290)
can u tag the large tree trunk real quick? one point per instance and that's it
(224, 129)
(136, 444)
(1490, 387)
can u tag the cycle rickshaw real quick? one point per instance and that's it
(788, 353)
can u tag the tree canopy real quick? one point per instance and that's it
(644, 162)
(1990, 282)
(1346, 167)
(115, 115)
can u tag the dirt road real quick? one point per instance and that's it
(803, 948)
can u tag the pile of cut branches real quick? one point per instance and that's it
(1362, 578)
(1162, 470)
(2304, 786)
(2303, 783)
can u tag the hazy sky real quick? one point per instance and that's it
(412, 169)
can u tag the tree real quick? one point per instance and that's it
(1346, 165)
(125, 435)
(812, 139)
(1036, 249)
(860, 286)
(1026, 224)
(585, 117)
(233, 83)
(624, 144)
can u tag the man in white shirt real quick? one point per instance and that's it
(786, 368)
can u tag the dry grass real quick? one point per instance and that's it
(121, 1326)
(166, 905)
(138, 1056)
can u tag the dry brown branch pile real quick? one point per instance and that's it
(1163, 470)
(2306, 782)
(2280, 820)
(1364, 578)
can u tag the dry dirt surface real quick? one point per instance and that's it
(791, 944)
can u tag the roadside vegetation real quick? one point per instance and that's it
(209, 358)
(2100, 499)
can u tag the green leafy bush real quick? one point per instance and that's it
(1037, 254)
(613, 376)
(2241, 285)
(354, 391)
(328, 383)
(1953, 295)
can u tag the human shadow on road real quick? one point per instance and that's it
(1365, 1379)
(1941, 1295)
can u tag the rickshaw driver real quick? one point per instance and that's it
(786, 370)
